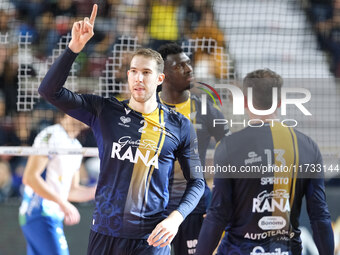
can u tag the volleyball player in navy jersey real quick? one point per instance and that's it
(176, 95)
(260, 212)
(138, 141)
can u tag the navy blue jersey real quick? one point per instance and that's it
(261, 215)
(205, 130)
(136, 151)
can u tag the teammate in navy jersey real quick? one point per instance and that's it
(179, 78)
(138, 141)
(260, 213)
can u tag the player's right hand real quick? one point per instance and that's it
(72, 215)
(82, 31)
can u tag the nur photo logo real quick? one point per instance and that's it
(292, 97)
(204, 96)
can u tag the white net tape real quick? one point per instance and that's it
(27, 151)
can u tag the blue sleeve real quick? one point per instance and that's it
(81, 107)
(319, 215)
(220, 210)
(191, 166)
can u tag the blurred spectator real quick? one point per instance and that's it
(84, 7)
(26, 25)
(163, 22)
(7, 135)
(142, 35)
(9, 163)
(54, 21)
(208, 28)
(48, 36)
(327, 24)
(64, 8)
(43, 115)
(32, 9)
(320, 11)
(8, 65)
(193, 13)
(5, 181)
(22, 125)
(127, 14)
(204, 67)
(8, 78)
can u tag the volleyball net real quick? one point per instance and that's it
(225, 39)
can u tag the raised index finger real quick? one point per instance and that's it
(93, 14)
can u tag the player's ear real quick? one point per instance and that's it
(279, 104)
(245, 102)
(161, 78)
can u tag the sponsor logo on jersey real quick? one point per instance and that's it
(272, 222)
(253, 158)
(271, 201)
(258, 250)
(47, 137)
(280, 234)
(124, 121)
(274, 180)
(133, 157)
(142, 144)
(127, 111)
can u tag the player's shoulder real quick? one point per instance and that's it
(48, 134)
(305, 141)
(237, 139)
(172, 114)
(111, 102)
(103, 99)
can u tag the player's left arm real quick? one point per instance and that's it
(220, 210)
(319, 215)
(80, 193)
(188, 158)
(165, 231)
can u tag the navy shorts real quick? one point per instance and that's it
(185, 241)
(100, 244)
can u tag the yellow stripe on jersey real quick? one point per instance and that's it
(193, 112)
(286, 157)
(183, 108)
(151, 143)
(296, 149)
(160, 146)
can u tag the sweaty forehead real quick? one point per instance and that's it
(174, 59)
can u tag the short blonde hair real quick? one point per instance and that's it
(149, 53)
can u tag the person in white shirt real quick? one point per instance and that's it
(50, 183)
